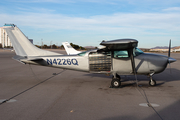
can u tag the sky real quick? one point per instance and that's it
(88, 22)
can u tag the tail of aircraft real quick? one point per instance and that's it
(69, 49)
(22, 46)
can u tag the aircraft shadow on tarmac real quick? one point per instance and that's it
(169, 75)
(170, 112)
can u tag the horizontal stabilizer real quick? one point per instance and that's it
(21, 58)
(18, 58)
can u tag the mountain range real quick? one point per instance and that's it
(165, 47)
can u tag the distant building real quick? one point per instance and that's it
(159, 50)
(4, 38)
(145, 49)
(176, 49)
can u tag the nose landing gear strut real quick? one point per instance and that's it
(151, 81)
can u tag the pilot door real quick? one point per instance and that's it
(100, 61)
(121, 62)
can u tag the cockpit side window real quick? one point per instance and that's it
(126, 53)
(121, 54)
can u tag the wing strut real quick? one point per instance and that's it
(133, 65)
(132, 61)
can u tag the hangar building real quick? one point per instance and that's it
(4, 39)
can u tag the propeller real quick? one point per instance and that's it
(170, 60)
(169, 54)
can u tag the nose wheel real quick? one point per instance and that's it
(152, 82)
(116, 83)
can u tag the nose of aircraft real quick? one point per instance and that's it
(170, 60)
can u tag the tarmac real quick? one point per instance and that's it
(29, 92)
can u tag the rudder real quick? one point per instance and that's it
(21, 44)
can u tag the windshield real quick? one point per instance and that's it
(137, 51)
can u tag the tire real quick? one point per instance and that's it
(115, 83)
(152, 83)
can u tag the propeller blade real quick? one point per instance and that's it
(170, 60)
(169, 48)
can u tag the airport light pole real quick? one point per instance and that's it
(51, 44)
(41, 43)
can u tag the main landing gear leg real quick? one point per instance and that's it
(151, 81)
(115, 83)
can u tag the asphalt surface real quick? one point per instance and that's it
(44, 93)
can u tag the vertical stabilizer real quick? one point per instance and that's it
(21, 44)
(69, 49)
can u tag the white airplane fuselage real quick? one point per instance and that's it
(144, 63)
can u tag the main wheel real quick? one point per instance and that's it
(115, 83)
(152, 82)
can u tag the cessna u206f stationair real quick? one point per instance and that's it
(117, 57)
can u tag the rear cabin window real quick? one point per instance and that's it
(121, 54)
(82, 53)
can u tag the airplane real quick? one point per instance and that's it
(117, 57)
(69, 49)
